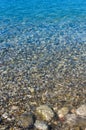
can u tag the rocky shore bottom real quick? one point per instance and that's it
(43, 87)
(55, 108)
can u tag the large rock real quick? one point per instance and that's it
(41, 125)
(71, 119)
(45, 112)
(25, 120)
(81, 111)
(74, 120)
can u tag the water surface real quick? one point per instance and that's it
(45, 40)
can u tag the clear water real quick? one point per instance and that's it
(65, 18)
(47, 35)
(57, 16)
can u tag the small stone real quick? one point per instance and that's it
(25, 120)
(81, 111)
(5, 115)
(45, 112)
(73, 111)
(41, 125)
(14, 108)
(31, 90)
(62, 112)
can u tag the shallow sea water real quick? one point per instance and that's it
(44, 36)
(42, 54)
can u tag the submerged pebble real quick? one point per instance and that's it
(14, 108)
(81, 111)
(71, 119)
(74, 120)
(45, 112)
(62, 112)
(25, 120)
(40, 125)
(5, 115)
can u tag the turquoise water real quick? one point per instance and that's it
(64, 18)
(46, 35)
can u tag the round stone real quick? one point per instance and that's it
(26, 120)
(81, 111)
(45, 112)
(40, 125)
(62, 112)
(14, 108)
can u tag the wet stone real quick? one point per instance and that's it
(14, 108)
(41, 125)
(74, 120)
(62, 112)
(45, 112)
(81, 111)
(26, 120)
(5, 115)
(71, 119)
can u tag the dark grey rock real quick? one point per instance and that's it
(26, 120)
(0, 120)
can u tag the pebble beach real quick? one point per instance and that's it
(37, 78)
(42, 72)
